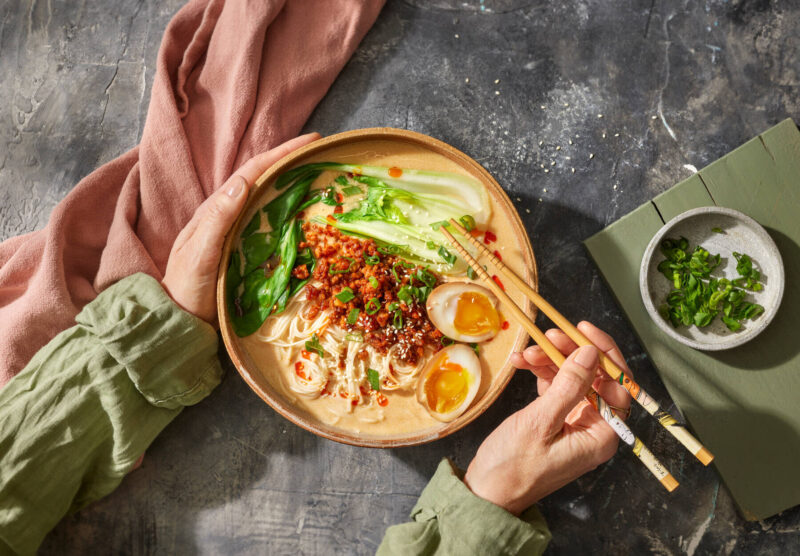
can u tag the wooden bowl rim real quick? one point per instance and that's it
(287, 410)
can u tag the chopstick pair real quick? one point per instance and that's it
(650, 405)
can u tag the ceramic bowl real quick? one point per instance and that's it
(740, 233)
(363, 140)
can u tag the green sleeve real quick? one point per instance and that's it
(89, 403)
(450, 519)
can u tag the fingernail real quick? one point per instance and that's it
(236, 187)
(586, 357)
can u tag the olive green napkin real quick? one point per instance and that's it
(743, 403)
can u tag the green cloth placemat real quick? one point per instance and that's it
(743, 403)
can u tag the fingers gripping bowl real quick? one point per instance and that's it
(345, 346)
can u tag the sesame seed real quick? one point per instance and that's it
(599, 115)
(604, 135)
(496, 81)
(541, 143)
(540, 199)
(528, 211)
(546, 170)
(616, 135)
(541, 165)
(570, 141)
(566, 105)
(568, 157)
(466, 80)
(544, 190)
(591, 155)
(615, 187)
(519, 199)
(497, 92)
(456, 35)
(573, 170)
(558, 147)
(553, 163)
(542, 107)
(654, 117)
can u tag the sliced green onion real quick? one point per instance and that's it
(371, 260)
(393, 306)
(314, 345)
(350, 268)
(448, 257)
(373, 282)
(341, 180)
(354, 336)
(345, 295)
(397, 321)
(374, 379)
(372, 306)
(468, 222)
(352, 316)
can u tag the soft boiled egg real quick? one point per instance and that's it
(449, 382)
(464, 311)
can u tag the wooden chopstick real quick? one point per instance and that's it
(618, 425)
(614, 371)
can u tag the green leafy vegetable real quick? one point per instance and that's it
(697, 297)
(399, 211)
(352, 316)
(329, 197)
(253, 225)
(351, 190)
(374, 379)
(314, 345)
(341, 180)
(257, 248)
(345, 295)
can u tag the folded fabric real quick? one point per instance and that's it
(233, 79)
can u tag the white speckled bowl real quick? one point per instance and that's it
(743, 235)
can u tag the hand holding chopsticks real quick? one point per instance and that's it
(579, 338)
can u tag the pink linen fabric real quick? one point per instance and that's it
(233, 79)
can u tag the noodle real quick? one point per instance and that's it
(343, 371)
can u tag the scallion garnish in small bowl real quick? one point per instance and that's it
(712, 278)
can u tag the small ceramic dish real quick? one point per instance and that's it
(739, 233)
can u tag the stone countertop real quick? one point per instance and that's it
(582, 110)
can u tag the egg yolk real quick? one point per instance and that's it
(447, 386)
(475, 315)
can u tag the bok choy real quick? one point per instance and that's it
(403, 208)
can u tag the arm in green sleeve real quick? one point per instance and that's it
(450, 519)
(89, 403)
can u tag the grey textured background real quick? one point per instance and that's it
(681, 83)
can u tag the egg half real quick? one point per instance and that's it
(464, 311)
(449, 382)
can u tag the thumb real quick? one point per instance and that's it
(568, 388)
(220, 212)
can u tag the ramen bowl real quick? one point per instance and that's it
(264, 372)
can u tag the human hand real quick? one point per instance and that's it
(559, 436)
(191, 276)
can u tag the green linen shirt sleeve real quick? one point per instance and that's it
(89, 403)
(450, 519)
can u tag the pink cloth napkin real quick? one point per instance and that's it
(233, 79)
